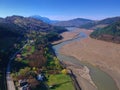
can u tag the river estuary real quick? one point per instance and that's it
(102, 80)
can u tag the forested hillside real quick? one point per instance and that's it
(109, 33)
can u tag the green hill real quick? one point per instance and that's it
(110, 33)
(101, 23)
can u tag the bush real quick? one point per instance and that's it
(64, 71)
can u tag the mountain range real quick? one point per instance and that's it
(101, 23)
(18, 25)
(77, 22)
(25, 23)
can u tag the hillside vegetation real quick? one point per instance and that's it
(109, 33)
(101, 23)
(15, 31)
(18, 27)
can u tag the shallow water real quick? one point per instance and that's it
(102, 80)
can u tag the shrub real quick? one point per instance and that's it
(64, 71)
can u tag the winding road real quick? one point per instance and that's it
(10, 83)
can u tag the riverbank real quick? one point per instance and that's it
(82, 73)
(104, 55)
(71, 35)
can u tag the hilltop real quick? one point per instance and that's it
(19, 26)
(101, 23)
(44, 19)
(77, 22)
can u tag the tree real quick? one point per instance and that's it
(23, 72)
(14, 76)
(64, 71)
(57, 63)
(37, 59)
(33, 82)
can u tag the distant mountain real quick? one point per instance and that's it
(101, 23)
(74, 22)
(27, 23)
(44, 19)
(109, 33)
(1, 19)
(109, 21)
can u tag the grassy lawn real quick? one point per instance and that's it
(28, 50)
(61, 82)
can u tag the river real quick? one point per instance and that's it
(101, 79)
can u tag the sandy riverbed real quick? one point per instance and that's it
(82, 75)
(70, 35)
(104, 55)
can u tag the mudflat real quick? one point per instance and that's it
(105, 55)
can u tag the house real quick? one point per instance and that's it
(18, 55)
(40, 77)
(23, 83)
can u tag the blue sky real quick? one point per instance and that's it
(61, 9)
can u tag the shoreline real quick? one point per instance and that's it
(113, 72)
(70, 35)
(82, 74)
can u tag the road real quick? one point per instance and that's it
(10, 83)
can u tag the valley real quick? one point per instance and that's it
(85, 57)
(59, 44)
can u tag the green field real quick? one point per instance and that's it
(60, 82)
(28, 50)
